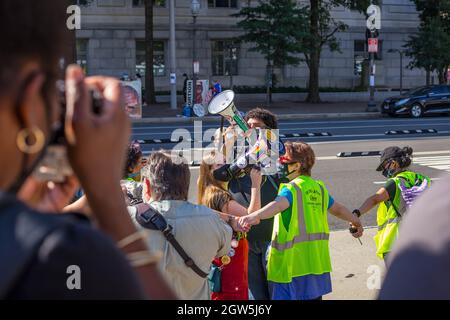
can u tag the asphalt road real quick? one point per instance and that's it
(337, 130)
(349, 180)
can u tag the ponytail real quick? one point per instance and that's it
(406, 159)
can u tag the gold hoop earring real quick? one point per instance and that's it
(25, 134)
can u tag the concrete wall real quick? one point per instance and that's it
(112, 26)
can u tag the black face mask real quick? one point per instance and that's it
(223, 173)
(283, 171)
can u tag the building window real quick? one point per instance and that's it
(82, 2)
(222, 3)
(82, 53)
(159, 65)
(156, 3)
(225, 54)
(361, 53)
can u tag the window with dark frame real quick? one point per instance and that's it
(225, 55)
(83, 2)
(82, 53)
(156, 3)
(159, 65)
(222, 4)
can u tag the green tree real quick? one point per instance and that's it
(286, 33)
(429, 48)
(322, 30)
(274, 27)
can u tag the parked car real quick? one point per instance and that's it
(419, 101)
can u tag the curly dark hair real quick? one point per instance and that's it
(31, 31)
(269, 119)
(134, 154)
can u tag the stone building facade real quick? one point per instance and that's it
(112, 32)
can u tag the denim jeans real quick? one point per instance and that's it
(257, 270)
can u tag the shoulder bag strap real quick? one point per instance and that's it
(150, 214)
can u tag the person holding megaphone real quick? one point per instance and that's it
(240, 185)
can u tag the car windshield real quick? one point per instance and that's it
(419, 91)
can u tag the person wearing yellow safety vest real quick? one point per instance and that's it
(299, 263)
(393, 199)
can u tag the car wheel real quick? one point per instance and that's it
(416, 111)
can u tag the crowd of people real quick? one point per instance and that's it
(132, 230)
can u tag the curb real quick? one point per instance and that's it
(294, 116)
(358, 154)
(415, 131)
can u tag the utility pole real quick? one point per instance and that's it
(173, 66)
(373, 24)
(195, 10)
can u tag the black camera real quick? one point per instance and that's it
(55, 166)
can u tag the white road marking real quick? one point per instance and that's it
(437, 162)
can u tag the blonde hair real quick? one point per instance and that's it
(211, 192)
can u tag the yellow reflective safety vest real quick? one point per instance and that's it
(390, 212)
(300, 241)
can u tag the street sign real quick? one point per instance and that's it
(173, 78)
(373, 45)
(196, 67)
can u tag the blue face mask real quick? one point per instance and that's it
(387, 172)
(134, 175)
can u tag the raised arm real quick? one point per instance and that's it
(374, 200)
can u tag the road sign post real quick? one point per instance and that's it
(373, 24)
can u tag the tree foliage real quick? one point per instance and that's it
(429, 49)
(273, 28)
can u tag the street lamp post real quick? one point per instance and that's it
(173, 66)
(195, 10)
(373, 24)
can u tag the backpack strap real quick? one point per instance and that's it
(149, 218)
(22, 232)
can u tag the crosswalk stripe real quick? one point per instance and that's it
(437, 162)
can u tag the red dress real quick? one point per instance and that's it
(234, 276)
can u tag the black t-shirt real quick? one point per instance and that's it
(391, 188)
(104, 270)
(240, 189)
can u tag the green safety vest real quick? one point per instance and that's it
(300, 242)
(390, 212)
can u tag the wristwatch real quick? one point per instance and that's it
(357, 213)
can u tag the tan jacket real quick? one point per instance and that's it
(201, 233)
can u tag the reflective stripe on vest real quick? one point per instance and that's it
(303, 236)
(394, 220)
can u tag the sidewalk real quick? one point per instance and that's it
(161, 112)
(355, 267)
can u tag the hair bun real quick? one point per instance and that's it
(408, 150)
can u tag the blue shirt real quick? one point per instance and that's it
(285, 192)
(306, 287)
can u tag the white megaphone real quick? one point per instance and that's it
(223, 104)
